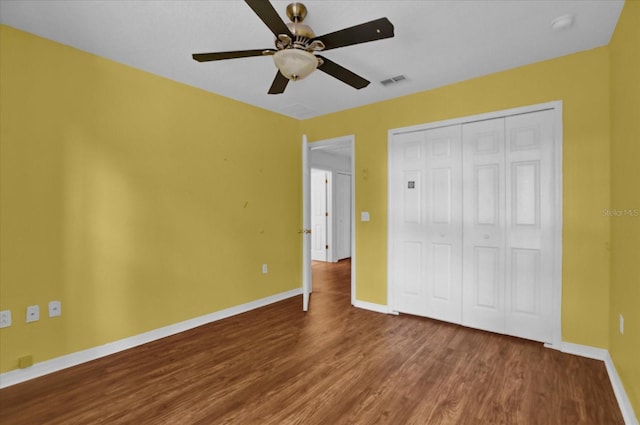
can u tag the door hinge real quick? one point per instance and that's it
(326, 247)
(326, 214)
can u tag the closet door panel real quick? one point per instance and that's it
(525, 282)
(487, 194)
(443, 229)
(483, 279)
(442, 272)
(486, 280)
(407, 219)
(529, 220)
(425, 213)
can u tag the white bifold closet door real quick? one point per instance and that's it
(508, 225)
(427, 226)
(472, 224)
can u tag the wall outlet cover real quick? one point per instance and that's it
(33, 313)
(55, 308)
(5, 318)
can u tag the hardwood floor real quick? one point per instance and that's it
(335, 364)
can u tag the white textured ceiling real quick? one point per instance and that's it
(436, 42)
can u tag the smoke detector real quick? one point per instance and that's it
(563, 22)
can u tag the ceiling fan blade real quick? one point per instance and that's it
(206, 57)
(363, 33)
(342, 73)
(269, 16)
(279, 84)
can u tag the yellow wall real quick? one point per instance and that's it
(136, 201)
(625, 196)
(581, 81)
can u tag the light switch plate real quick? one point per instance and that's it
(364, 216)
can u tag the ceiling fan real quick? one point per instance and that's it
(295, 54)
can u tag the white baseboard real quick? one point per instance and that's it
(584, 351)
(621, 395)
(43, 368)
(378, 308)
(618, 389)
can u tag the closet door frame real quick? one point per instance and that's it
(556, 107)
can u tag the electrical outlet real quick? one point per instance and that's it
(265, 269)
(55, 308)
(5, 318)
(621, 324)
(33, 313)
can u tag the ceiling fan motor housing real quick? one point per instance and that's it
(302, 33)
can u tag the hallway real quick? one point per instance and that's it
(333, 279)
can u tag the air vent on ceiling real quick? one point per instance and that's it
(299, 111)
(393, 80)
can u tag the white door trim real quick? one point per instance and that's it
(556, 106)
(306, 225)
(350, 141)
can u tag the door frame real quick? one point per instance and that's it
(348, 140)
(556, 106)
(306, 223)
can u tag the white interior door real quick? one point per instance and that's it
(484, 225)
(529, 220)
(406, 211)
(426, 219)
(444, 220)
(306, 222)
(508, 233)
(319, 214)
(343, 215)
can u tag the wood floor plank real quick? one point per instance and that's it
(335, 364)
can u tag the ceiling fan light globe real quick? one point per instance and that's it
(295, 64)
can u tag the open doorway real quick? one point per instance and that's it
(332, 214)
